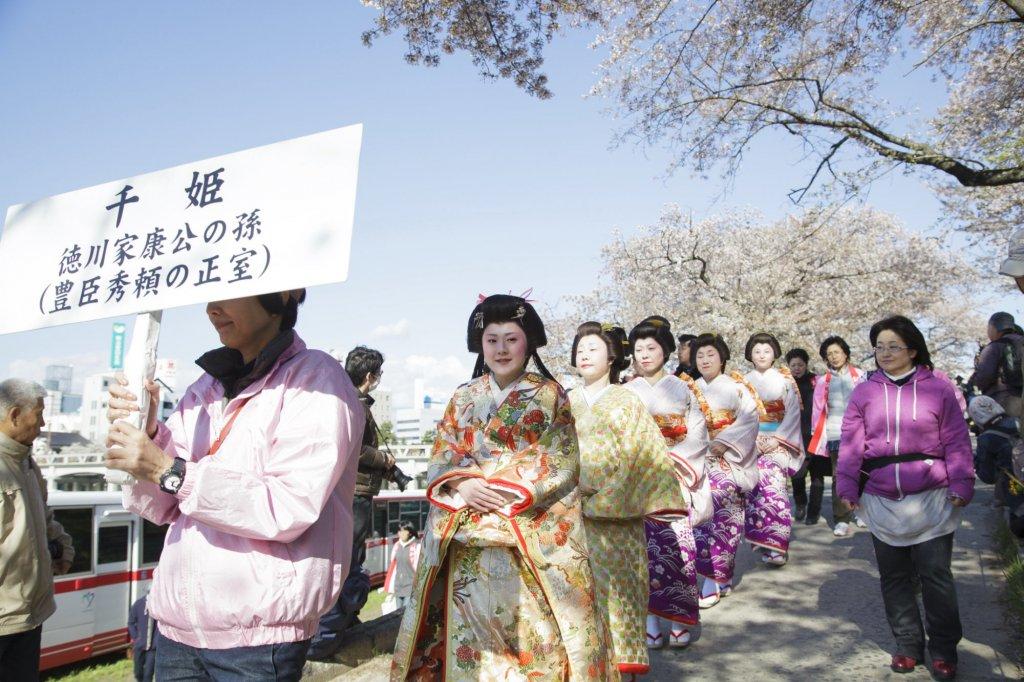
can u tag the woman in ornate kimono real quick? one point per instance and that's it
(731, 465)
(768, 519)
(504, 588)
(625, 476)
(671, 551)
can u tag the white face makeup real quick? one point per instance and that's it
(648, 357)
(762, 356)
(505, 351)
(592, 359)
(709, 362)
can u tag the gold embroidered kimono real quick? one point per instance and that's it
(507, 595)
(625, 475)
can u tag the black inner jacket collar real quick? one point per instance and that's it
(226, 366)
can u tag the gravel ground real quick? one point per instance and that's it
(821, 616)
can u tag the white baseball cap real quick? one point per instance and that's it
(1014, 265)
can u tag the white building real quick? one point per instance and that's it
(383, 408)
(412, 422)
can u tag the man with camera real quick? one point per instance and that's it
(365, 368)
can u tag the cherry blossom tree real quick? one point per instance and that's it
(707, 78)
(824, 271)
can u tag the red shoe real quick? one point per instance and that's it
(902, 664)
(943, 670)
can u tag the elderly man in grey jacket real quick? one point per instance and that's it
(33, 546)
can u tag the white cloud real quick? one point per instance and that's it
(396, 330)
(34, 369)
(440, 376)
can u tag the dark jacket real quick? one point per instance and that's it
(139, 630)
(374, 465)
(806, 386)
(987, 376)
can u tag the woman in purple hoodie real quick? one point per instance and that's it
(905, 462)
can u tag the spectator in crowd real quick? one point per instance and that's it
(254, 472)
(807, 510)
(905, 462)
(33, 546)
(999, 372)
(142, 633)
(365, 367)
(831, 395)
(1013, 266)
(684, 354)
(997, 434)
(405, 557)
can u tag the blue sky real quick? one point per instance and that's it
(466, 185)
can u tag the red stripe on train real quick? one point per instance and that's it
(75, 584)
(79, 649)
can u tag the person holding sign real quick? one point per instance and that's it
(255, 473)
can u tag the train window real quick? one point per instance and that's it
(78, 524)
(112, 546)
(380, 520)
(411, 513)
(152, 542)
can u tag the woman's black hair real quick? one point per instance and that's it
(909, 334)
(762, 337)
(362, 361)
(500, 308)
(406, 525)
(615, 340)
(685, 338)
(833, 340)
(289, 311)
(798, 353)
(654, 327)
(714, 341)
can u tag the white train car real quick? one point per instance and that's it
(117, 551)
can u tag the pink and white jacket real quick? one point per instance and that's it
(261, 532)
(819, 411)
(414, 558)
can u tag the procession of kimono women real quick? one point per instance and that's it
(570, 533)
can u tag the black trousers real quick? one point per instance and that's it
(818, 468)
(19, 656)
(930, 562)
(354, 591)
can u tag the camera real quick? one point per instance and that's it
(399, 478)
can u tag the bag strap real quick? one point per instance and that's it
(227, 427)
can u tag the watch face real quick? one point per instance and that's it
(172, 482)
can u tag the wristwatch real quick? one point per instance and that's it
(171, 480)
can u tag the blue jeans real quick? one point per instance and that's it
(269, 662)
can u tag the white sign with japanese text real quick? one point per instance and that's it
(266, 219)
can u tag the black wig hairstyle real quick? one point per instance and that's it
(289, 311)
(614, 337)
(798, 353)
(762, 337)
(407, 525)
(715, 341)
(909, 334)
(833, 340)
(362, 361)
(500, 308)
(654, 327)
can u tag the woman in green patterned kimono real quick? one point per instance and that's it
(625, 475)
(504, 589)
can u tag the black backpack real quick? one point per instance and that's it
(1011, 363)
